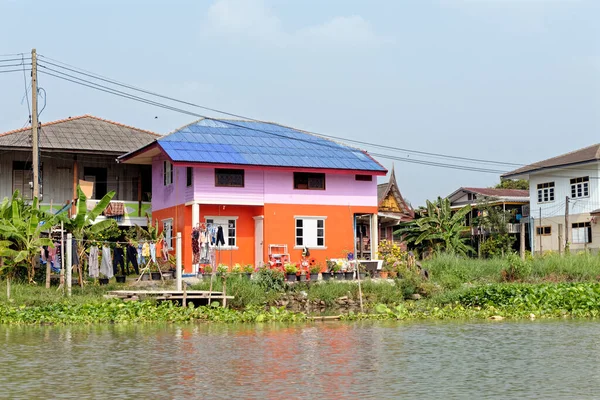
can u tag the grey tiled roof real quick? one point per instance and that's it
(85, 133)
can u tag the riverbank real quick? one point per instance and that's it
(548, 287)
(493, 301)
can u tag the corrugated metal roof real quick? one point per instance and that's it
(261, 143)
(84, 133)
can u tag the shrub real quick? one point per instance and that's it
(517, 269)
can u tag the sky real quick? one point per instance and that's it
(515, 81)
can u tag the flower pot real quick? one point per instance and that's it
(103, 281)
(168, 275)
(338, 276)
(120, 278)
(326, 276)
(291, 277)
(314, 277)
(383, 274)
(146, 276)
(362, 275)
(248, 275)
(348, 276)
(155, 276)
(302, 278)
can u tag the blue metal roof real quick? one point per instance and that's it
(260, 143)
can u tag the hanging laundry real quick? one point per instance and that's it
(74, 255)
(153, 252)
(93, 262)
(118, 260)
(132, 255)
(196, 246)
(105, 267)
(140, 258)
(220, 237)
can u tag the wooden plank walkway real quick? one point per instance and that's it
(196, 296)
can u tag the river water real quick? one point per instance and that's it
(333, 360)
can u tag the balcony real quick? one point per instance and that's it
(127, 213)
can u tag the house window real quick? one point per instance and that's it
(168, 232)
(189, 176)
(22, 175)
(229, 177)
(544, 230)
(309, 181)
(310, 232)
(167, 173)
(580, 187)
(229, 227)
(581, 232)
(545, 192)
(364, 178)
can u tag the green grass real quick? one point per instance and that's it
(23, 294)
(451, 272)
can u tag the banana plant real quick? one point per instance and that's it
(22, 225)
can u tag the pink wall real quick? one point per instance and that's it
(261, 187)
(207, 193)
(170, 195)
(341, 189)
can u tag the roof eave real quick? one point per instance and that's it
(527, 173)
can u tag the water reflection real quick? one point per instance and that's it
(322, 360)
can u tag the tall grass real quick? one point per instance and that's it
(451, 271)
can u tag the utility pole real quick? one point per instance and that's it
(567, 225)
(34, 127)
(541, 232)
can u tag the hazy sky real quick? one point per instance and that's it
(507, 80)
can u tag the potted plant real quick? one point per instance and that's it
(302, 275)
(349, 272)
(314, 272)
(383, 274)
(337, 271)
(120, 278)
(222, 270)
(207, 270)
(155, 273)
(103, 280)
(362, 271)
(290, 271)
(248, 270)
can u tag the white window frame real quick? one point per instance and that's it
(309, 222)
(167, 173)
(581, 234)
(545, 192)
(168, 238)
(223, 221)
(580, 187)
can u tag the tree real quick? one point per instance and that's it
(438, 228)
(521, 184)
(494, 222)
(22, 225)
(83, 226)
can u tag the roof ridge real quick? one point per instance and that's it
(566, 154)
(59, 121)
(44, 124)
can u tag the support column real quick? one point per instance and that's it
(178, 261)
(374, 237)
(75, 181)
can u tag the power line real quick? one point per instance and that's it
(102, 88)
(11, 65)
(114, 82)
(9, 70)
(26, 89)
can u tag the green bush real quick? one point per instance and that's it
(517, 268)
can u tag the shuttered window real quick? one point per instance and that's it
(22, 175)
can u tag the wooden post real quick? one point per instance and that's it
(68, 254)
(75, 181)
(560, 238)
(34, 128)
(184, 301)
(541, 232)
(522, 237)
(567, 245)
(139, 194)
(178, 261)
(62, 258)
(360, 296)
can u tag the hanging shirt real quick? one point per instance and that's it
(93, 262)
(106, 266)
(153, 252)
(146, 250)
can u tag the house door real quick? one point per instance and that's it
(258, 241)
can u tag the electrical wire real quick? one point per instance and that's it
(102, 88)
(114, 82)
(9, 70)
(26, 88)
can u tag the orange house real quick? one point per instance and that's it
(253, 192)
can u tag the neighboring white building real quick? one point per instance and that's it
(569, 180)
